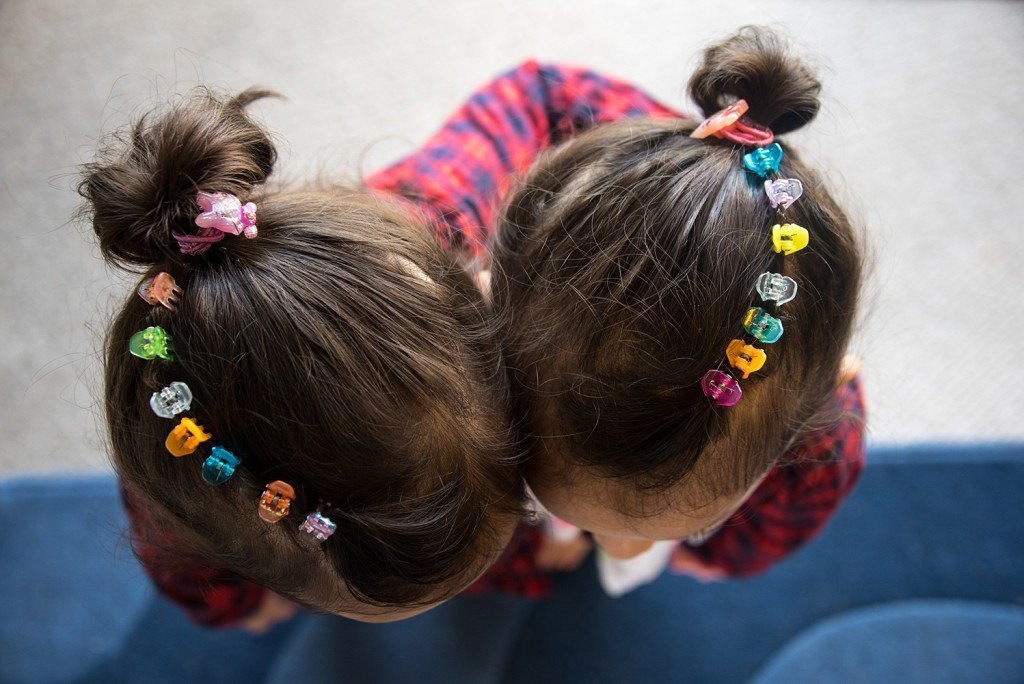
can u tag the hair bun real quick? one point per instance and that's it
(143, 185)
(754, 64)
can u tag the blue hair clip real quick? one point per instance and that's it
(220, 466)
(762, 326)
(763, 160)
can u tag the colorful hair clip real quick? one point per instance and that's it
(747, 358)
(171, 400)
(276, 501)
(721, 387)
(762, 326)
(764, 160)
(720, 120)
(775, 287)
(222, 214)
(789, 238)
(219, 466)
(782, 192)
(318, 526)
(151, 343)
(160, 289)
(186, 437)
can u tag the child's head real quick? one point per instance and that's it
(623, 267)
(342, 351)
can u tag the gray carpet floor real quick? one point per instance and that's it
(917, 133)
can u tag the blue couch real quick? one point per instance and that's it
(930, 544)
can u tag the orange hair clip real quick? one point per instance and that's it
(276, 501)
(186, 437)
(746, 357)
(160, 289)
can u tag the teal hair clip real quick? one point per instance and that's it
(219, 466)
(763, 160)
(762, 326)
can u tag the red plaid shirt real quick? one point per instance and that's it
(456, 182)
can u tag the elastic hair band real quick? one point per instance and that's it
(731, 124)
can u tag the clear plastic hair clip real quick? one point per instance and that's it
(224, 212)
(762, 326)
(219, 466)
(160, 289)
(745, 357)
(276, 501)
(171, 400)
(150, 343)
(721, 387)
(775, 287)
(186, 437)
(721, 119)
(317, 525)
(789, 238)
(764, 160)
(782, 192)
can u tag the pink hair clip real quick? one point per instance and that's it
(721, 120)
(731, 124)
(160, 289)
(721, 387)
(222, 214)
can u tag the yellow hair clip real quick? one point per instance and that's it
(789, 238)
(746, 357)
(186, 437)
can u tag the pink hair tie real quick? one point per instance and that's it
(222, 214)
(731, 124)
(746, 132)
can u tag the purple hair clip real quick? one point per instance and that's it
(317, 526)
(222, 214)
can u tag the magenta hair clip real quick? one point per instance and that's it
(222, 214)
(721, 387)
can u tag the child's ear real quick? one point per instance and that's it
(848, 368)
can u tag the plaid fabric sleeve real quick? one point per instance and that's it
(516, 572)
(210, 596)
(795, 501)
(458, 178)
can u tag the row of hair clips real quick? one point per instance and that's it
(787, 238)
(223, 213)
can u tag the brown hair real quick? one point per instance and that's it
(344, 351)
(625, 262)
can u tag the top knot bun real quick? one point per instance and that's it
(755, 65)
(144, 185)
